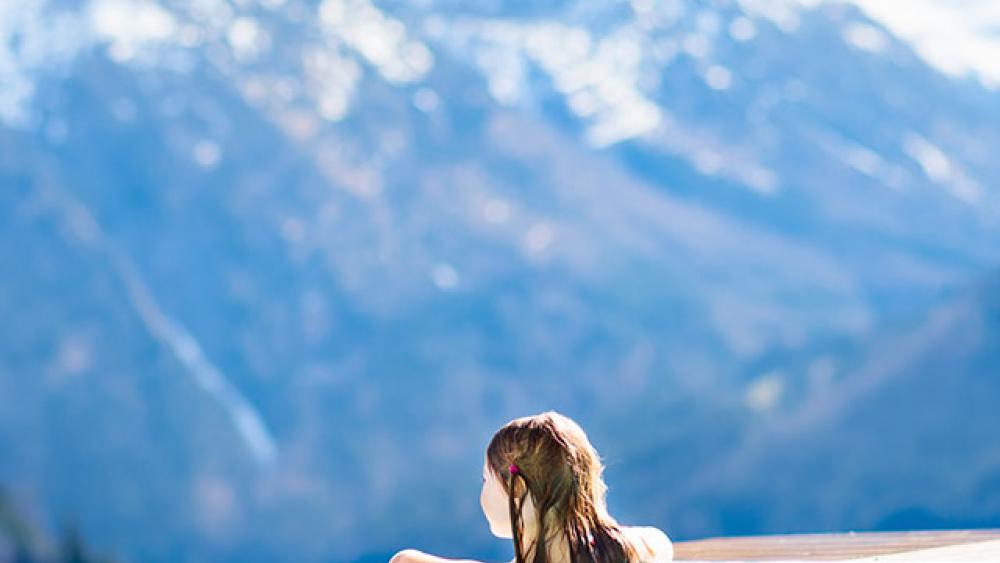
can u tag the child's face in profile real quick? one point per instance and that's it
(494, 502)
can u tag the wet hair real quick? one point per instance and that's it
(561, 470)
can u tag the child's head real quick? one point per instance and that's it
(556, 487)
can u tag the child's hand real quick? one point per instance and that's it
(417, 556)
(407, 556)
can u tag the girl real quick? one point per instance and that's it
(540, 473)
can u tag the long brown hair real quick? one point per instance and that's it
(561, 470)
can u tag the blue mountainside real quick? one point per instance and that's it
(272, 272)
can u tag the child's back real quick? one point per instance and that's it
(652, 545)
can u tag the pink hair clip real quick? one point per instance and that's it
(513, 468)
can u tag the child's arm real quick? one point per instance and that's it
(417, 556)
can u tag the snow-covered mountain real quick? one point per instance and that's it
(274, 271)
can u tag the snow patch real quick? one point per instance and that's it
(941, 169)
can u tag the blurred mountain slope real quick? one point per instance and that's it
(269, 257)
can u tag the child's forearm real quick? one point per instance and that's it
(417, 556)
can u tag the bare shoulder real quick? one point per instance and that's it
(653, 544)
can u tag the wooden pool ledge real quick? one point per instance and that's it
(932, 545)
